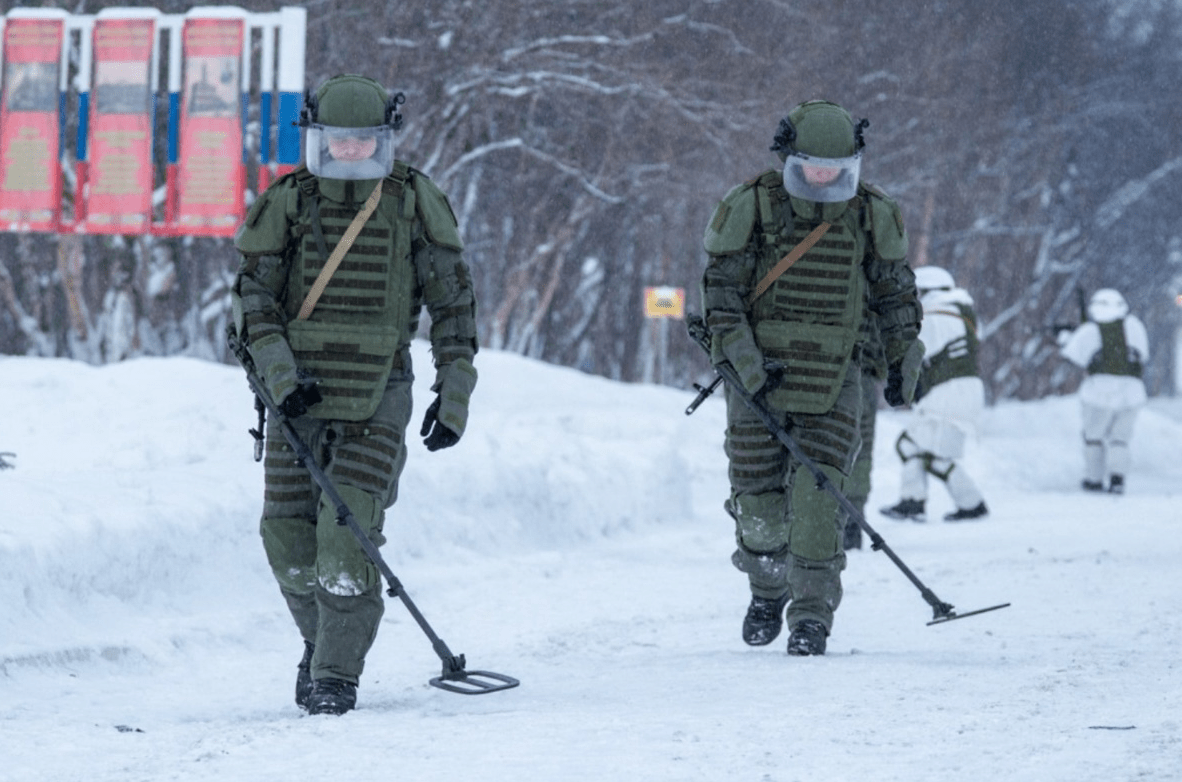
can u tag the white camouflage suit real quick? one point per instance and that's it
(948, 413)
(1109, 402)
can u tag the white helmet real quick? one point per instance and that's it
(1107, 305)
(933, 278)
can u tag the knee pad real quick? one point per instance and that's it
(906, 447)
(342, 566)
(290, 544)
(940, 468)
(760, 521)
(813, 532)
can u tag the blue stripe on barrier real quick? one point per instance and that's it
(288, 134)
(174, 124)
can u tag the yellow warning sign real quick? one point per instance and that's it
(664, 302)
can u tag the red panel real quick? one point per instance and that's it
(119, 196)
(212, 177)
(30, 169)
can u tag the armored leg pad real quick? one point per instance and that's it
(342, 566)
(290, 544)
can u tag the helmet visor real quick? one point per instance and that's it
(822, 179)
(350, 153)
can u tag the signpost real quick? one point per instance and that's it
(662, 304)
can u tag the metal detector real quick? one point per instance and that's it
(454, 677)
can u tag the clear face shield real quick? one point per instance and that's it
(350, 153)
(821, 179)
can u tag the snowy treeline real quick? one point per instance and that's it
(584, 143)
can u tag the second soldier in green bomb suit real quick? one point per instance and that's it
(338, 364)
(796, 341)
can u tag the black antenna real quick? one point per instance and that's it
(308, 112)
(785, 137)
(859, 141)
(393, 116)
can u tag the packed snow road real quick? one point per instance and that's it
(574, 540)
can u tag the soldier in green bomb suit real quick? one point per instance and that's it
(328, 324)
(792, 327)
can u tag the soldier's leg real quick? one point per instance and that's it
(288, 525)
(961, 488)
(365, 462)
(1119, 435)
(926, 438)
(757, 463)
(913, 485)
(859, 483)
(1097, 421)
(945, 442)
(815, 523)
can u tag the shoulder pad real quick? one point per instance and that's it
(730, 228)
(264, 231)
(886, 225)
(439, 222)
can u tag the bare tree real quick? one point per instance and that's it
(584, 143)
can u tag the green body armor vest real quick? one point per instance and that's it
(367, 314)
(959, 357)
(1114, 356)
(809, 319)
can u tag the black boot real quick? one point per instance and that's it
(1091, 485)
(968, 514)
(1116, 484)
(906, 509)
(332, 696)
(765, 618)
(304, 676)
(807, 638)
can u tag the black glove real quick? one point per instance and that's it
(437, 435)
(298, 401)
(893, 393)
(775, 378)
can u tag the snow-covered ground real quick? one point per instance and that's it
(574, 539)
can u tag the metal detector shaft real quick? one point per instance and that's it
(454, 677)
(942, 611)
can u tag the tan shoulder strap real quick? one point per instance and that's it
(785, 263)
(334, 260)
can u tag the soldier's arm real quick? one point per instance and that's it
(258, 294)
(730, 244)
(445, 284)
(893, 298)
(725, 290)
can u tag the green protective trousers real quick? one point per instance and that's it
(858, 486)
(333, 590)
(788, 530)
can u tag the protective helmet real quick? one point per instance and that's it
(351, 122)
(1107, 305)
(821, 147)
(933, 278)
